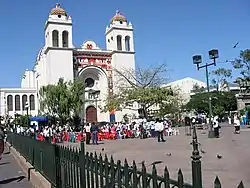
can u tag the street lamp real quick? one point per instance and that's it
(27, 112)
(197, 60)
(15, 115)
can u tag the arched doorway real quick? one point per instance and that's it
(91, 114)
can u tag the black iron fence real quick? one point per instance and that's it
(66, 167)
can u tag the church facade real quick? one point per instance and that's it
(59, 58)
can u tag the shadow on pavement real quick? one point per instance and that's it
(4, 163)
(18, 179)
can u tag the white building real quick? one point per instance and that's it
(59, 58)
(185, 86)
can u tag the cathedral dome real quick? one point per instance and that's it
(58, 11)
(118, 17)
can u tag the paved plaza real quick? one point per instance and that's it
(11, 175)
(231, 168)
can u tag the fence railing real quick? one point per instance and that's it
(66, 167)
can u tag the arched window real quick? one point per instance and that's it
(65, 39)
(119, 42)
(127, 43)
(24, 100)
(10, 102)
(17, 103)
(32, 102)
(55, 37)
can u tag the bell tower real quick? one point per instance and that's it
(120, 39)
(58, 46)
(119, 34)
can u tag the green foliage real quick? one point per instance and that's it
(220, 77)
(21, 120)
(197, 88)
(113, 102)
(221, 102)
(243, 64)
(145, 97)
(172, 107)
(76, 94)
(62, 100)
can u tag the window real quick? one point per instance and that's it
(65, 39)
(24, 100)
(17, 103)
(10, 102)
(127, 43)
(89, 82)
(32, 102)
(55, 36)
(119, 42)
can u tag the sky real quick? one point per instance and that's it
(165, 31)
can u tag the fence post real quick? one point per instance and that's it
(57, 160)
(82, 166)
(196, 162)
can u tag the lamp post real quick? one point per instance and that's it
(27, 112)
(15, 115)
(197, 60)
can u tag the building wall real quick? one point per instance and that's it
(5, 92)
(59, 64)
(28, 80)
(185, 86)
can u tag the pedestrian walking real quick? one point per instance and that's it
(94, 133)
(216, 126)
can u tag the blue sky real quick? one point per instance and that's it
(165, 31)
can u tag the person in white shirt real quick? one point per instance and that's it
(229, 120)
(88, 133)
(159, 127)
(18, 130)
(216, 126)
(236, 123)
(46, 133)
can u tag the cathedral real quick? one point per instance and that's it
(59, 58)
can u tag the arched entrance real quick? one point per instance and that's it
(91, 114)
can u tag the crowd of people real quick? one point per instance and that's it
(110, 131)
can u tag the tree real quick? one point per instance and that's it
(220, 77)
(76, 95)
(243, 65)
(173, 106)
(141, 86)
(21, 120)
(221, 102)
(197, 88)
(62, 100)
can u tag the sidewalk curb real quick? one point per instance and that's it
(35, 178)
